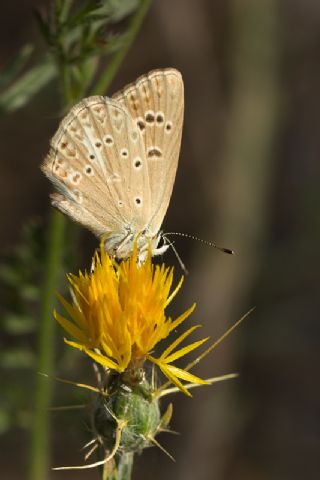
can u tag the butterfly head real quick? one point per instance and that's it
(122, 246)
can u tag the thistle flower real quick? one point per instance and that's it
(118, 316)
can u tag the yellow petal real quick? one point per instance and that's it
(176, 290)
(182, 317)
(178, 372)
(180, 339)
(74, 312)
(105, 361)
(71, 328)
(173, 379)
(184, 351)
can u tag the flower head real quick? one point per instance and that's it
(118, 315)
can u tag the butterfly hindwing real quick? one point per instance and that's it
(97, 163)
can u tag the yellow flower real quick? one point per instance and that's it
(118, 316)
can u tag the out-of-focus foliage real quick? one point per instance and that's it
(19, 290)
(80, 35)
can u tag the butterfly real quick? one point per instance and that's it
(113, 162)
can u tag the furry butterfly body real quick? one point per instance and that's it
(113, 162)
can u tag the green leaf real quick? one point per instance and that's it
(29, 293)
(119, 9)
(5, 421)
(9, 275)
(10, 71)
(17, 358)
(43, 26)
(18, 325)
(19, 94)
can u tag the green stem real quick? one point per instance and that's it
(114, 64)
(39, 460)
(122, 470)
(125, 466)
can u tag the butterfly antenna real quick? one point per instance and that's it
(182, 265)
(205, 242)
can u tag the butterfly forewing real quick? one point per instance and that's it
(156, 103)
(97, 162)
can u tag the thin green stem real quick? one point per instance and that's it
(115, 62)
(122, 470)
(125, 466)
(39, 460)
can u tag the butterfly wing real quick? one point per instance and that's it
(97, 163)
(156, 103)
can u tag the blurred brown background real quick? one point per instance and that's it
(248, 179)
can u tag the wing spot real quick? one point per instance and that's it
(168, 127)
(145, 93)
(78, 196)
(109, 140)
(98, 144)
(124, 153)
(138, 201)
(118, 123)
(92, 157)
(133, 102)
(154, 152)
(140, 123)
(149, 116)
(63, 145)
(160, 118)
(76, 178)
(137, 163)
(88, 170)
(60, 172)
(134, 135)
(120, 203)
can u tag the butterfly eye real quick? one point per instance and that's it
(161, 242)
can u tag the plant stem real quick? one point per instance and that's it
(39, 460)
(122, 470)
(125, 466)
(114, 64)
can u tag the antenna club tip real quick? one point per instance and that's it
(229, 251)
